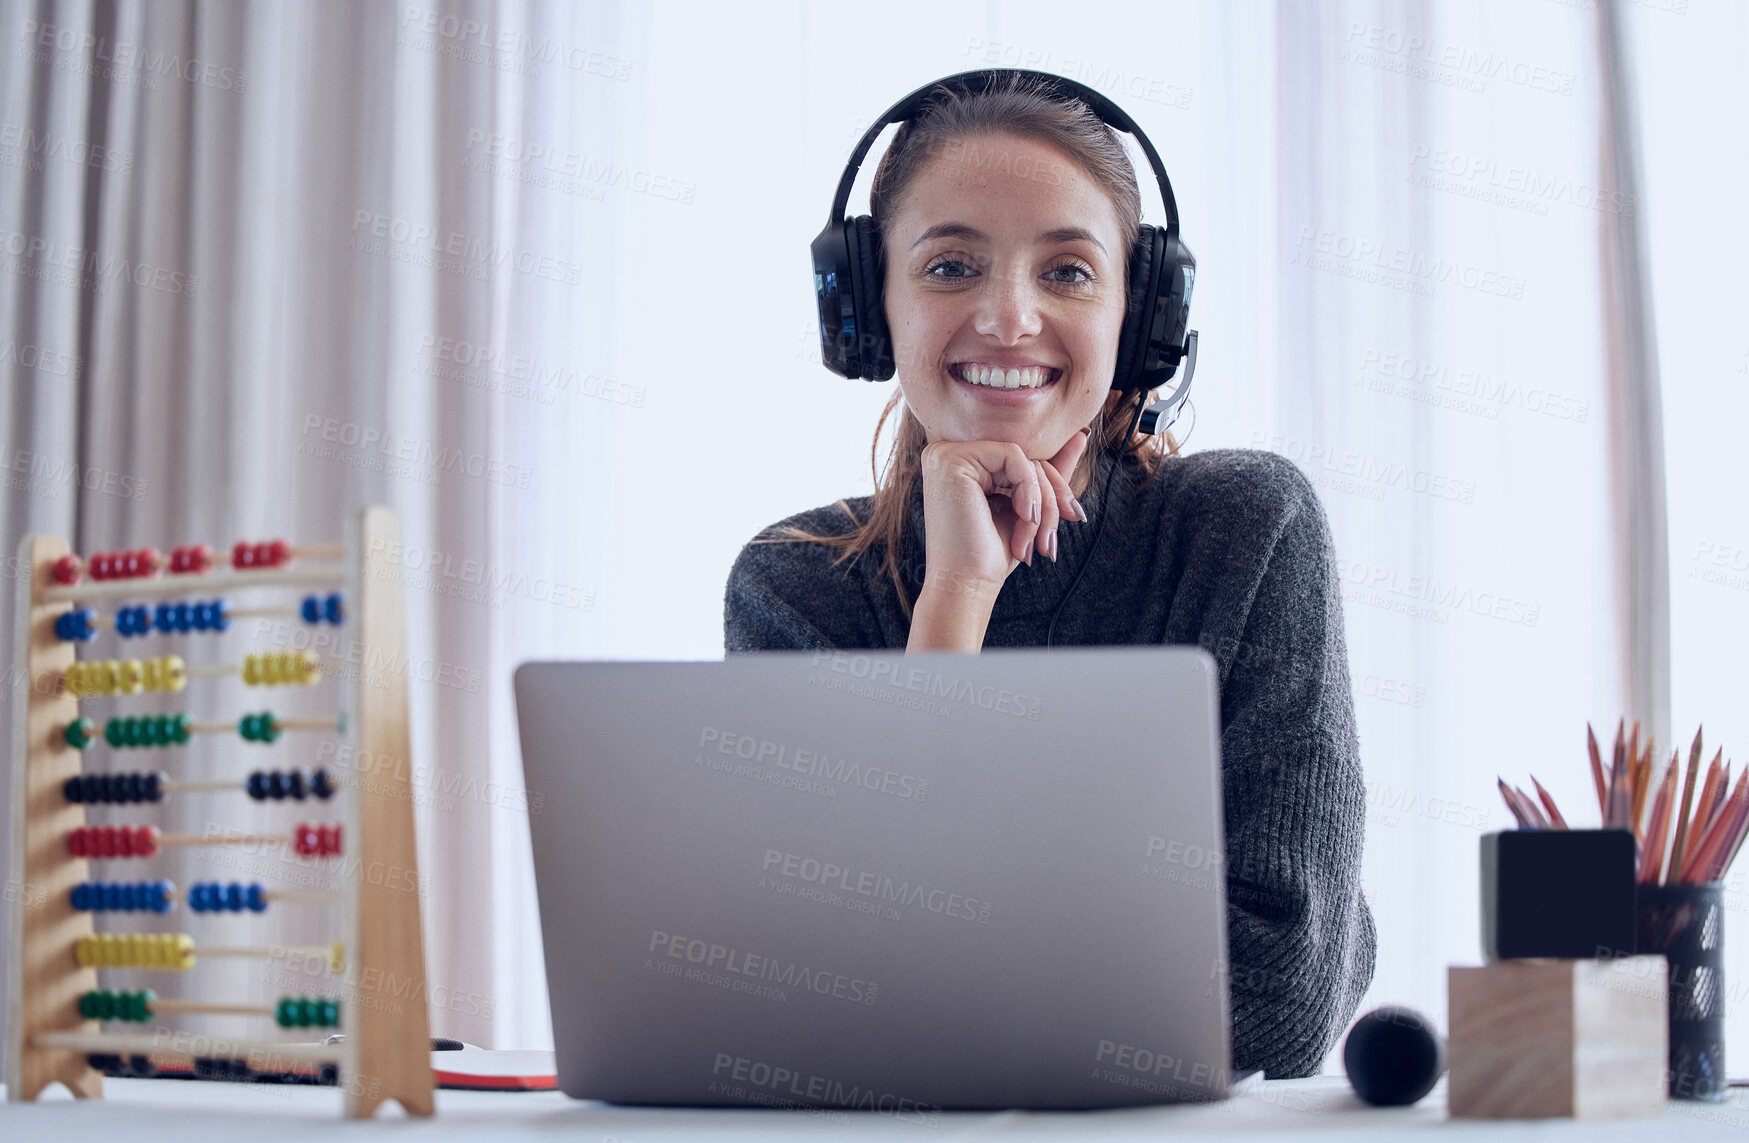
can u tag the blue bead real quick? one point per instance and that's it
(108, 896)
(61, 631)
(221, 615)
(335, 608)
(257, 899)
(182, 616)
(234, 898)
(82, 896)
(87, 624)
(311, 609)
(163, 617)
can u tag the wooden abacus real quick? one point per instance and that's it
(53, 1001)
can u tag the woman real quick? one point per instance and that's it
(1005, 219)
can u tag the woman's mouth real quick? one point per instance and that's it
(991, 377)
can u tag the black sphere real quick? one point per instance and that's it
(1393, 1056)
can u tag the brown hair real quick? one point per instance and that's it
(1023, 107)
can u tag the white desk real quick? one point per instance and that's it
(174, 1111)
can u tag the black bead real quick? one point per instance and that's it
(321, 784)
(294, 785)
(276, 788)
(256, 785)
(72, 790)
(155, 785)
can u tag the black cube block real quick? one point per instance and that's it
(1557, 893)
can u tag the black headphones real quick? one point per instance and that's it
(849, 267)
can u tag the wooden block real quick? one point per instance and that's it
(1537, 1039)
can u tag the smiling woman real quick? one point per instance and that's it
(1010, 255)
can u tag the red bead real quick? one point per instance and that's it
(200, 559)
(67, 570)
(99, 565)
(145, 841)
(280, 551)
(150, 561)
(78, 842)
(307, 839)
(130, 565)
(242, 555)
(263, 555)
(330, 840)
(105, 840)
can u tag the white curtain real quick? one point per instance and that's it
(535, 276)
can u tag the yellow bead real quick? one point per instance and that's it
(252, 670)
(175, 673)
(133, 676)
(83, 950)
(337, 957)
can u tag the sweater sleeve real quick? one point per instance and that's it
(1301, 941)
(792, 596)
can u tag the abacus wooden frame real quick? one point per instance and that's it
(386, 1052)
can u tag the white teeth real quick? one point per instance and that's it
(1030, 378)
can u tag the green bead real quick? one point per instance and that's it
(165, 729)
(88, 1005)
(148, 732)
(285, 1014)
(130, 732)
(328, 1014)
(179, 733)
(246, 727)
(269, 727)
(80, 733)
(115, 731)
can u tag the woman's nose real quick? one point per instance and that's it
(1008, 307)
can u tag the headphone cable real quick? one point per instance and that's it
(1098, 528)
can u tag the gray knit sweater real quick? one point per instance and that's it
(1228, 550)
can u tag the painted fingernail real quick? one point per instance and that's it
(1027, 558)
(1080, 512)
(1035, 509)
(1052, 541)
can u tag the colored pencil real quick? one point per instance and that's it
(1512, 803)
(1677, 846)
(1658, 829)
(1729, 842)
(1617, 817)
(1597, 772)
(1702, 859)
(1555, 817)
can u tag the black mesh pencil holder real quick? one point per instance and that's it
(1686, 923)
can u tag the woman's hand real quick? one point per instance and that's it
(987, 508)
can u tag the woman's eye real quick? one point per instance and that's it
(1073, 268)
(962, 271)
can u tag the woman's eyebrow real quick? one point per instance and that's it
(961, 230)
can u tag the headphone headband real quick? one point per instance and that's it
(975, 82)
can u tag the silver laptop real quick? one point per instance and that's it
(873, 880)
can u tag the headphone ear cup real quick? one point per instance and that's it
(874, 344)
(1144, 272)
